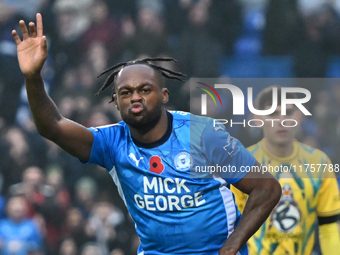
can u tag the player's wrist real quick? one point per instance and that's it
(228, 251)
(32, 76)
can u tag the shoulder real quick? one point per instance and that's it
(119, 129)
(193, 120)
(254, 148)
(114, 126)
(199, 127)
(187, 116)
(311, 152)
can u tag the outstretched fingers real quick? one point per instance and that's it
(16, 37)
(23, 28)
(40, 29)
(43, 43)
(33, 32)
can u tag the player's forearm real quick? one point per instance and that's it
(329, 238)
(259, 205)
(44, 111)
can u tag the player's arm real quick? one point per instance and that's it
(328, 210)
(32, 53)
(329, 235)
(264, 193)
(240, 198)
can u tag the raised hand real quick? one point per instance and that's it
(32, 50)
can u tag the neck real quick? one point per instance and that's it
(153, 134)
(280, 150)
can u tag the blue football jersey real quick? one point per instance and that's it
(178, 206)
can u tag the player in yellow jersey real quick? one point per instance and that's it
(310, 193)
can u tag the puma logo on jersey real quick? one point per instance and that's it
(218, 128)
(133, 157)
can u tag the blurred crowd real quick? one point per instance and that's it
(52, 204)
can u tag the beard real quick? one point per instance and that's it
(146, 122)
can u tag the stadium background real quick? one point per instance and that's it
(77, 206)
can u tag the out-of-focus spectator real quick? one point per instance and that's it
(98, 57)
(27, 8)
(68, 247)
(85, 195)
(175, 17)
(97, 118)
(92, 249)
(18, 155)
(149, 37)
(102, 225)
(72, 171)
(321, 41)
(103, 28)
(55, 179)
(74, 227)
(117, 252)
(109, 110)
(307, 7)
(199, 54)
(68, 107)
(327, 117)
(311, 57)
(77, 91)
(54, 208)
(87, 80)
(229, 15)
(73, 19)
(329, 27)
(10, 78)
(18, 234)
(32, 188)
(284, 28)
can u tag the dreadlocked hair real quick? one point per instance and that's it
(169, 74)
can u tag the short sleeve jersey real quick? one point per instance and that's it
(309, 190)
(174, 211)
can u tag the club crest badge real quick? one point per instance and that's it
(286, 216)
(183, 161)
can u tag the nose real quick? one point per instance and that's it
(282, 117)
(135, 97)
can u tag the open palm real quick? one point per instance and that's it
(32, 50)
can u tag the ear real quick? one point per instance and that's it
(116, 101)
(165, 95)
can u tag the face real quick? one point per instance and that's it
(274, 131)
(17, 209)
(68, 247)
(140, 97)
(33, 176)
(74, 218)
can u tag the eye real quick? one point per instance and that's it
(145, 90)
(276, 113)
(124, 93)
(290, 112)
